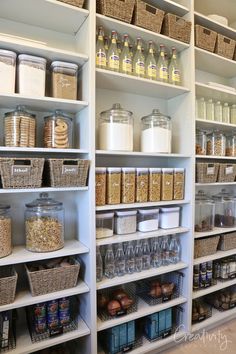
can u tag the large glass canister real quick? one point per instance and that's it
(231, 145)
(201, 108)
(44, 224)
(201, 143)
(224, 209)
(5, 231)
(156, 133)
(216, 144)
(204, 212)
(116, 129)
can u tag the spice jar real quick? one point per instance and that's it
(154, 191)
(156, 133)
(141, 185)
(204, 212)
(7, 71)
(167, 184)
(44, 224)
(128, 185)
(19, 128)
(233, 114)
(148, 220)
(125, 222)
(201, 142)
(179, 183)
(5, 231)
(104, 225)
(31, 75)
(231, 145)
(216, 144)
(224, 209)
(113, 185)
(100, 185)
(64, 80)
(116, 129)
(58, 131)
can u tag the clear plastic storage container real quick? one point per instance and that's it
(116, 129)
(218, 112)
(104, 225)
(100, 185)
(231, 145)
(113, 185)
(154, 191)
(216, 144)
(167, 185)
(64, 80)
(128, 185)
(5, 231)
(44, 224)
(204, 212)
(141, 185)
(58, 131)
(125, 222)
(169, 217)
(179, 179)
(31, 75)
(201, 143)
(19, 128)
(156, 133)
(201, 108)
(7, 71)
(226, 113)
(148, 220)
(224, 209)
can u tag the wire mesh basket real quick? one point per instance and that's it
(200, 311)
(9, 343)
(223, 300)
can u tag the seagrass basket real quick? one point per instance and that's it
(205, 38)
(77, 3)
(8, 281)
(227, 241)
(227, 172)
(120, 9)
(148, 16)
(176, 27)
(205, 246)
(206, 172)
(225, 46)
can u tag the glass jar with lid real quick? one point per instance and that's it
(233, 114)
(8, 71)
(218, 112)
(201, 142)
(210, 110)
(44, 224)
(116, 129)
(231, 145)
(64, 80)
(19, 128)
(204, 212)
(5, 231)
(226, 113)
(156, 133)
(58, 131)
(224, 209)
(216, 144)
(201, 108)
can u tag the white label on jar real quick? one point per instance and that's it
(156, 139)
(20, 170)
(210, 170)
(116, 136)
(229, 170)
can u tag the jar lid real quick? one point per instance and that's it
(167, 170)
(43, 201)
(58, 114)
(104, 216)
(7, 53)
(169, 210)
(179, 169)
(117, 110)
(155, 115)
(101, 169)
(148, 211)
(155, 169)
(63, 64)
(20, 111)
(114, 169)
(126, 213)
(201, 196)
(142, 170)
(128, 169)
(4, 206)
(32, 58)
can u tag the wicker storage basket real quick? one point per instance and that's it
(205, 246)
(207, 172)
(227, 172)
(205, 38)
(148, 16)
(119, 9)
(66, 173)
(8, 280)
(51, 280)
(21, 172)
(77, 3)
(227, 241)
(177, 28)
(225, 46)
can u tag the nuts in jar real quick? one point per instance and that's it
(167, 184)
(58, 131)
(128, 185)
(154, 192)
(100, 186)
(5, 231)
(216, 144)
(113, 185)
(141, 185)
(178, 183)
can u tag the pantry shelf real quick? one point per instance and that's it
(143, 310)
(210, 157)
(142, 205)
(21, 255)
(24, 298)
(215, 231)
(42, 104)
(139, 154)
(215, 184)
(210, 125)
(222, 94)
(211, 289)
(217, 255)
(20, 150)
(110, 24)
(218, 317)
(127, 278)
(33, 13)
(140, 236)
(43, 189)
(170, 6)
(110, 80)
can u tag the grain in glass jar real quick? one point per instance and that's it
(201, 143)
(100, 186)
(64, 80)
(128, 185)
(113, 185)
(167, 184)
(5, 231)
(7, 71)
(231, 145)
(44, 225)
(154, 191)
(141, 185)
(58, 131)
(216, 144)
(179, 177)
(125, 222)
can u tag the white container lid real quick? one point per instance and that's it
(148, 211)
(142, 169)
(155, 169)
(32, 58)
(7, 53)
(169, 210)
(101, 169)
(128, 169)
(167, 170)
(64, 65)
(126, 213)
(113, 169)
(104, 216)
(179, 169)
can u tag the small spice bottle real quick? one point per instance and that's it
(179, 183)
(154, 191)
(141, 185)
(113, 185)
(100, 184)
(128, 185)
(5, 231)
(167, 184)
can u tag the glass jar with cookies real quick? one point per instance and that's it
(58, 131)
